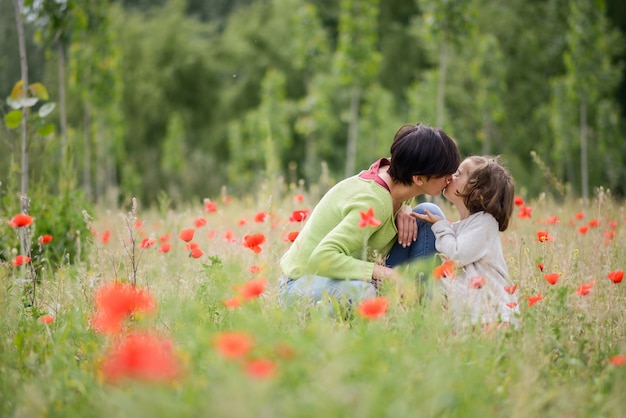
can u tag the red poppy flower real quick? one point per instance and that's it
(253, 288)
(368, 219)
(21, 220)
(552, 278)
(608, 236)
(47, 319)
(200, 222)
(579, 215)
(518, 201)
(233, 302)
(165, 237)
(106, 235)
(583, 229)
(540, 266)
(187, 234)
(511, 305)
(618, 360)
(616, 276)
(260, 217)
(585, 288)
(242, 221)
(229, 236)
(525, 212)
(298, 198)
(373, 308)
(254, 269)
(117, 301)
(233, 344)
(446, 269)
(195, 252)
(594, 223)
(261, 368)
(20, 260)
(138, 224)
(253, 242)
(209, 206)
(165, 247)
(542, 236)
(299, 215)
(476, 282)
(510, 289)
(147, 243)
(291, 237)
(140, 355)
(44, 239)
(211, 234)
(612, 225)
(553, 220)
(534, 299)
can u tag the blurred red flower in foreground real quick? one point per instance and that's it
(368, 219)
(299, 215)
(510, 289)
(518, 200)
(291, 237)
(616, 276)
(583, 229)
(373, 308)
(233, 344)
(260, 217)
(187, 234)
(47, 319)
(254, 269)
(106, 235)
(585, 288)
(253, 242)
(476, 282)
(540, 266)
(147, 243)
(165, 247)
(210, 207)
(44, 239)
(444, 270)
(543, 236)
(261, 368)
(233, 302)
(552, 278)
(253, 288)
(534, 299)
(200, 222)
(579, 215)
(115, 302)
(20, 220)
(618, 360)
(525, 212)
(20, 260)
(140, 355)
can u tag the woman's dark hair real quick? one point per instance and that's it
(421, 150)
(490, 188)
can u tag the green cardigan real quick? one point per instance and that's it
(331, 244)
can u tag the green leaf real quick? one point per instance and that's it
(46, 109)
(46, 130)
(13, 119)
(38, 90)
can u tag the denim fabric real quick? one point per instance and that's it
(424, 245)
(315, 288)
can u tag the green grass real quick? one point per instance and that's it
(408, 363)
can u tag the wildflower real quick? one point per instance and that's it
(165, 237)
(147, 243)
(254, 269)
(233, 344)
(209, 206)
(368, 219)
(542, 236)
(233, 302)
(298, 198)
(553, 220)
(585, 288)
(20, 260)
(291, 237)
(552, 278)
(476, 282)
(211, 234)
(104, 238)
(525, 212)
(117, 301)
(608, 236)
(299, 215)
(373, 308)
(618, 360)
(253, 288)
(510, 289)
(579, 215)
(20, 220)
(612, 225)
(242, 221)
(229, 236)
(253, 242)
(518, 201)
(200, 222)
(140, 355)
(187, 234)
(196, 252)
(138, 224)
(511, 305)
(534, 299)
(261, 368)
(44, 239)
(594, 223)
(446, 269)
(540, 266)
(165, 247)
(260, 217)
(583, 229)
(47, 319)
(616, 276)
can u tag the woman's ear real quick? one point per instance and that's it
(418, 180)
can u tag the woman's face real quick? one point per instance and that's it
(458, 182)
(435, 185)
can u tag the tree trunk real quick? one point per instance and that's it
(353, 131)
(584, 170)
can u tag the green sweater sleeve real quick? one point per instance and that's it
(332, 244)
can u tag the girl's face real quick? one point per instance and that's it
(457, 184)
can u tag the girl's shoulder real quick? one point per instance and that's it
(481, 218)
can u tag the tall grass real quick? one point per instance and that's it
(408, 363)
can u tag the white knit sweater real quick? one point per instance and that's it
(474, 244)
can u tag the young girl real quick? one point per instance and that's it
(480, 291)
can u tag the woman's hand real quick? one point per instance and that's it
(428, 217)
(407, 227)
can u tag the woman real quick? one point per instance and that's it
(354, 224)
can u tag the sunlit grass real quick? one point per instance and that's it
(407, 363)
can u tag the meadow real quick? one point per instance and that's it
(204, 334)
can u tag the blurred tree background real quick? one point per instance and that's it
(175, 98)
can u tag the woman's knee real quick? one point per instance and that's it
(431, 207)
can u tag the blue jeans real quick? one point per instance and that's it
(423, 247)
(316, 288)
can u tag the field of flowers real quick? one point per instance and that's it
(174, 313)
